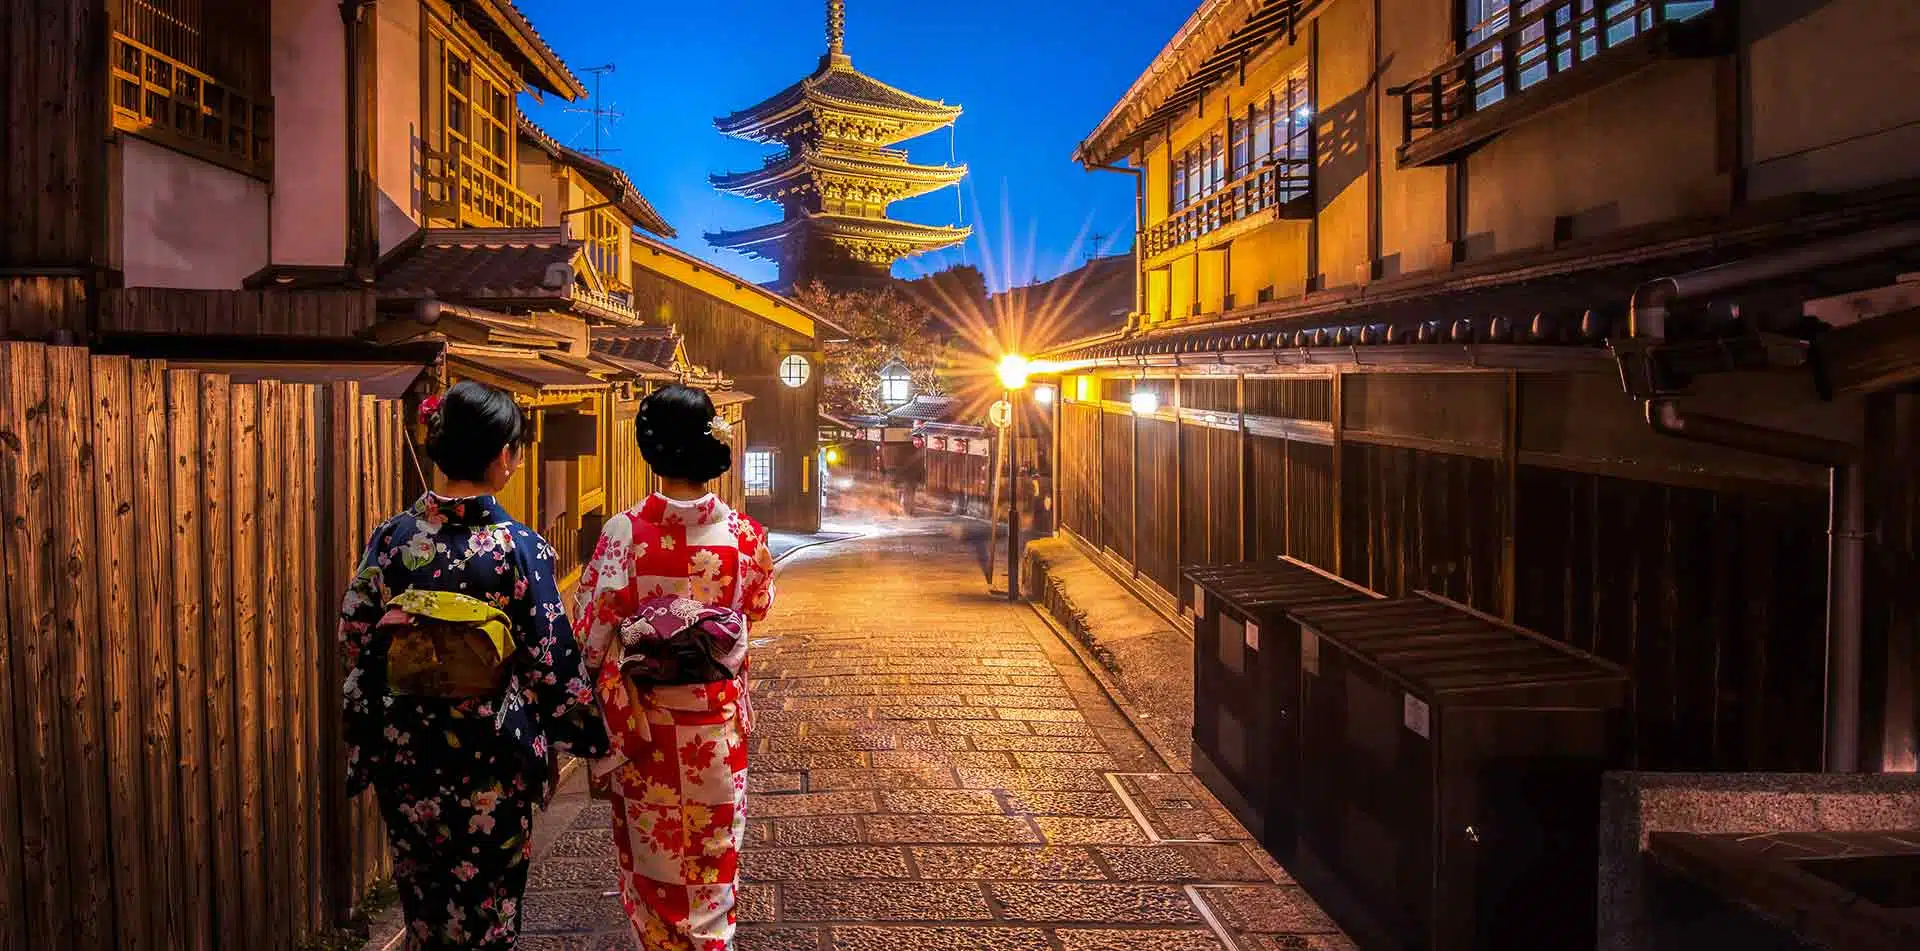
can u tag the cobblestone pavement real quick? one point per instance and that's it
(934, 770)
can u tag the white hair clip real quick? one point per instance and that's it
(720, 429)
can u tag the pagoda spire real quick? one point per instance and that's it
(837, 33)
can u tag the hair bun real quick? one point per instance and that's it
(674, 430)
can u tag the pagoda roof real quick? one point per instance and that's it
(814, 161)
(836, 87)
(909, 238)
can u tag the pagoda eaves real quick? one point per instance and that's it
(839, 103)
(826, 177)
(868, 240)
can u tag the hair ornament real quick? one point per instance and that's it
(720, 429)
(429, 408)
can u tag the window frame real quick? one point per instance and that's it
(758, 468)
(805, 370)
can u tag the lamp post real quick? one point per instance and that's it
(1014, 369)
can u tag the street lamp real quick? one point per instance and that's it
(1014, 369)
(1043, 394)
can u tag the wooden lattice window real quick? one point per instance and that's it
(193, 75)
(604, 233)
(471, 114)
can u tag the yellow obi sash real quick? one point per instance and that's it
(446, 645)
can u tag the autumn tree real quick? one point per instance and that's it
(881, 325)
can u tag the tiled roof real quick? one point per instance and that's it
(924, 409)
(655, 346)
(482, 264)
(838, 85)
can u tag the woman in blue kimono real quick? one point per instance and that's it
(463, 683)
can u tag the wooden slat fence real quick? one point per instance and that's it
(173, 553)
(280, 313)
(1543, 499)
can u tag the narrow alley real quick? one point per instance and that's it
(936, 770)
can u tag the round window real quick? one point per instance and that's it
(794, 370)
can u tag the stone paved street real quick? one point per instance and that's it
(935, 770)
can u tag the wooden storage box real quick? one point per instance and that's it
(1246, 685)
(1454, 766)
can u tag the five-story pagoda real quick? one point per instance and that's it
(837, 175)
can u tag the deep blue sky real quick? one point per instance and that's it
(1034, 77)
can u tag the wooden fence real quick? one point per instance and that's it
(174, 549)
(1539, 498)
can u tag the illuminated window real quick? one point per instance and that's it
(794, 370)
(758, 473)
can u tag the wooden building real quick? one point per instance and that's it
(836, 173)
(1398, 259)
(770, 348)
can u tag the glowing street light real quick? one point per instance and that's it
(1014, 369)
(1043, 394)
(1145, 403)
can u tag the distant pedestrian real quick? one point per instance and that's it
(463, 683)
(664, 612)
(910, 477)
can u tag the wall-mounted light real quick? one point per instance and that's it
(1043, 394)
(1145, 402)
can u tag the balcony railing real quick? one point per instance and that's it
(619, 304)
(460, 188)
(1545, 40)
(158, 97)
(1269, 187)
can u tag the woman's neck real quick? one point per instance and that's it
(681, 490)
(465, 490)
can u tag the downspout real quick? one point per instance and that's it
(363, 245)
(1846, 552)
(1139, 223)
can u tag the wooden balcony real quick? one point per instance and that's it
(1279, 190)
(471, 195)
(162, 99)
(1553, 51)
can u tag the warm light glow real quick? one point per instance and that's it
(833, 457)
(1014, 369)
(1145, 402)
(1043, 394)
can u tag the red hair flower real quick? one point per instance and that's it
(429, 408)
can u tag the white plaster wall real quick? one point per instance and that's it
(396, 148)
(310, 133)
(186, 223)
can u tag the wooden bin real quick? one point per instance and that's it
(1454, 765)
(1246, 685)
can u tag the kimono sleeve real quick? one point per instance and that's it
(363, 651)
(605, 596)
(756, 572)
(557, 685)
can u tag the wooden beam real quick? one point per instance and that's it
(1874, 355)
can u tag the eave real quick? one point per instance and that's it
(1215, 42)
(539, 65)
(917, 238)
(763, 122)
(811, 165)
(611, 180)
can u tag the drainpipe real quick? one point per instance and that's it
(1846, 551)
(1139, 223)
(1652, 306)
(1653, 301)
(363, 243)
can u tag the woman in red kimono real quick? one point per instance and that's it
(677, 776)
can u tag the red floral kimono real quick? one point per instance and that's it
(678, 771)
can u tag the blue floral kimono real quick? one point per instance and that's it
(459, 780)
